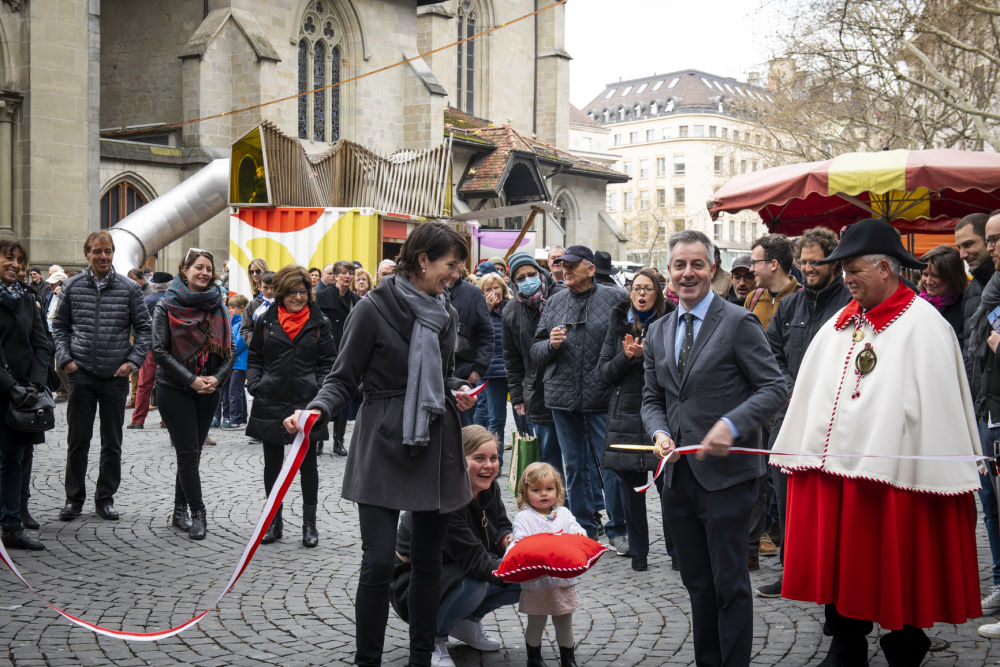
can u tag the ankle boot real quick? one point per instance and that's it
(566, 658)
(906, 647)
(310, 537)
(274, 530)
(15, 537)
(199, 525)
(180, 518)
(27, 520)
(535, 656)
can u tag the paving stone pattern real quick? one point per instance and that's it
(294, 606)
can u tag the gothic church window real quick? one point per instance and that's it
(119, 201)
(319, 59)
(466, 60)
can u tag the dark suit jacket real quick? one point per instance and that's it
(731, 373)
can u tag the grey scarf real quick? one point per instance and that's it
(425, 381)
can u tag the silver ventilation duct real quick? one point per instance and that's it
(171, 215)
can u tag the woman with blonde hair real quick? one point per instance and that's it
(492, 412)
(362, 282)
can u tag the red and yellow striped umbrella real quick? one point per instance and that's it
(917, 191)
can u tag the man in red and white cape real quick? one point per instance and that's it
(884, 540)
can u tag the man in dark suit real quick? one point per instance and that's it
(711, 380)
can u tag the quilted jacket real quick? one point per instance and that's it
(94, 327)
(570, 373)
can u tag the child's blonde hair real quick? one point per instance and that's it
(532, 476)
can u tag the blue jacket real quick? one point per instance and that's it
(242, 351)
(496, 369)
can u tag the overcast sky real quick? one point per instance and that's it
(627, 39)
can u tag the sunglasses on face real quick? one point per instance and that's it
(254, 272)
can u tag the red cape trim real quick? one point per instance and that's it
(882, 315)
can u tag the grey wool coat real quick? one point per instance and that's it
(381, 470)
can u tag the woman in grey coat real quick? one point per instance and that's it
(406, 452)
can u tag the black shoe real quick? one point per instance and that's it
(566, 657)
(639, 563)
(535, 656)
(310, 536)
(70, 511)
(338, 448)
(199, 525)
(180, 518)
(107, 511)
(17, 538)
(274, 531)
(29, 521)
(850, 651)
(772, 590)
(134, 425)
(905, 647)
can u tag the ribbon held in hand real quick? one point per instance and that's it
(292, 462)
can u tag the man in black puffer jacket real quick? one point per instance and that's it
(102, 333)
(567, 345)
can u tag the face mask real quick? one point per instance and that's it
(529, 286)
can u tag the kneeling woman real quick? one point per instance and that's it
(477, 537)
(291, 351)
(193, 348)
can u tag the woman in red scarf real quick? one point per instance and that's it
(193, 348)
(291, 351)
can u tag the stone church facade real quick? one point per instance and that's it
(92, 91)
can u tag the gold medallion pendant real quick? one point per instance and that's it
(858, 335)
(866, 360)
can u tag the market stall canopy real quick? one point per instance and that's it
(923, 191)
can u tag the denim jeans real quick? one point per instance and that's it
(491, 408)
(548, 445)
(11, 454)
(473, 599)
(237, 397)
(579, 436)
(988, 497)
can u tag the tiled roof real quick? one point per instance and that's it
(487, 173)
(577, 117)
(676, 92)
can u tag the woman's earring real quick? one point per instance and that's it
(423, 270)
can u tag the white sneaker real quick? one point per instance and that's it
(440, 657)
(990, 630)
(991, 602)
(473, 634)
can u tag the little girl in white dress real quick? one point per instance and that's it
(540, 495)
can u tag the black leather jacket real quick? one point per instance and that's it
(169, 370)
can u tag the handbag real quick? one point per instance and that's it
(34, 412)
(524, 451)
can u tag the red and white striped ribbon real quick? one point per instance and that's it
(292, 462)
(692, 449)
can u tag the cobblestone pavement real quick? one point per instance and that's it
(294, 606)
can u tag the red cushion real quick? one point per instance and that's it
(555, 554)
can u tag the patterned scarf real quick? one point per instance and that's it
(536, 300)
(199, 323)
(10, 295)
